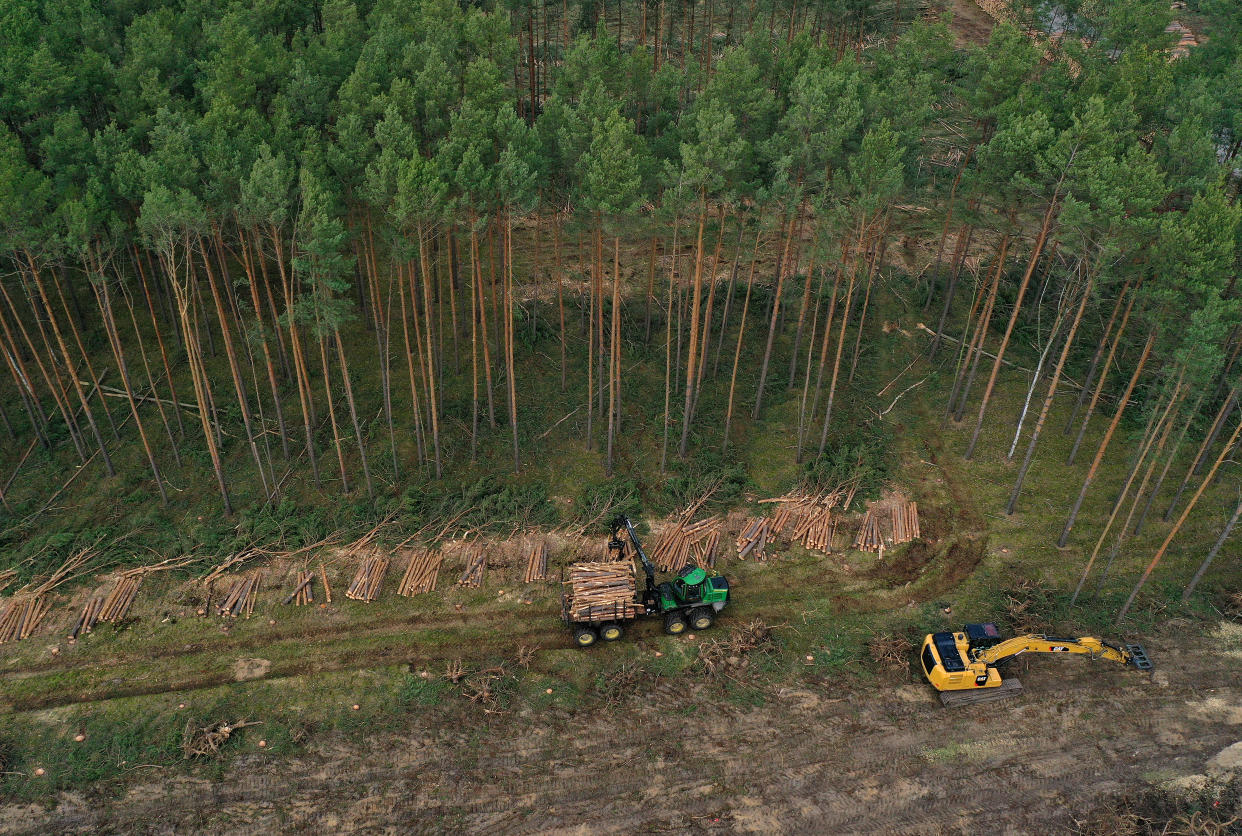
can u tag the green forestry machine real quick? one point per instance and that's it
(691, 599)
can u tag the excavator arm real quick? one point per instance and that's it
(967, 661)
(1089, 645)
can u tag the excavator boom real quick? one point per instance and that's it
(963, 666)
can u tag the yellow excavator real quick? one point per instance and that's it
(963, 666)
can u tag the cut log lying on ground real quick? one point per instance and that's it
(537, 563)
(21, 616)
(675, 547)
(753, 540)
(420, 573)
(121, 598)
(476, 562)
(869, 538)
(327, 590)
(602, 591)
(304, 592)
(88, 618)
(368, 579)
(7, 577)
(242, 595)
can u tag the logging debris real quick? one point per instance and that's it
(7, 577)
(537, 563)
(368, 579)
(476, 563)
(421, 573)
(602, 591)
(206, 741)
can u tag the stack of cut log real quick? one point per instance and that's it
(420, 573)
(905, 522)
(88, 618)
(304, 592)
(242, 595)
(705, 550)
(754, 539)
(869, 538)
(121, 598)
(476, 562)
(781, 519)
(602, 591)
(815, 528)
(20, 617)
(677, 543)
(537, 563)
(368, 579)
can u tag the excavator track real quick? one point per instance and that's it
(1010, 687)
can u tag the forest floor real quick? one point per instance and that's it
(364, 729)
(695, 755)
(971, 24)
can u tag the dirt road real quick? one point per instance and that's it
(686, 755)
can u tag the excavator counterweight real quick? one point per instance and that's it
(964, 667)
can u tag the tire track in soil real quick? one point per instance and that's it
(881, 760)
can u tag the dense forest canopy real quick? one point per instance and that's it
(349, 247)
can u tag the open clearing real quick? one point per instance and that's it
(692, 755)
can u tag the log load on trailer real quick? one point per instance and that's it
(603, 597)
(963, 666)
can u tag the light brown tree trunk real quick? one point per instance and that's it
(1181, 520)
(1013, 320)
(1108, 436)
(1099, 387)
(741, 332)
(1095, 359)
(353, 410)
(235, 372)
(845, 321)
(118, 354)
(692, 346)
(267, 352)
(614, 371)
(509, 346)
(433, 391)
(415, 402)
(1047, 404)
(73, 377)
(300, 372)
(772, 328)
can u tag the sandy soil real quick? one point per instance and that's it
(971, 24)
(835, 757)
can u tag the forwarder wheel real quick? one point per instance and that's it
(585, 636)
(701, 618)
(674, 624)
(611, 632)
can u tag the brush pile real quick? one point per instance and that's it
(207, 741)
(21, 616)
(537, 563)
(602, 592)
(890, 651)
(368, 579)
(684, 540)
(476, 563)
(242, 595)
(420, 573)
(730, 655)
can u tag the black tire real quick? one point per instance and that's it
(585, 636)
(611, 632)
(674, 624)
(701, 618)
